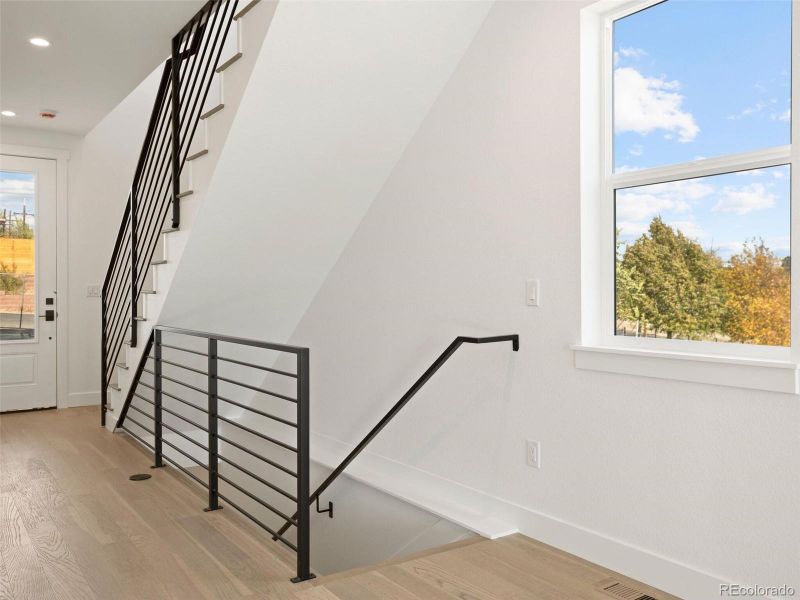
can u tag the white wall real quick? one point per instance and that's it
(100, 173)
(694, 479)
(337, 92)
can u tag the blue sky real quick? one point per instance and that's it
(697, 79)
(16, 190)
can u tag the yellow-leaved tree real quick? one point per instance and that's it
(758, 302)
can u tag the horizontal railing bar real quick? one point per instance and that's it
(174, 414)
(150, 431)
(255, 366)
(143, 398)
(141, 412)
(252, 496)
(257, 522)
(233, 340)
(147, 385)
(130, 433)
(257, 411)
(185, 471)
(146, 370)
(174, 364)
(259, 479)
(184, 436)
(257, 389)
(258, 456)
(183, 349)
(187, 403)
(183, 383)
(263, 436)
(186, 454)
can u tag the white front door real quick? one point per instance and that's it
(28, 304)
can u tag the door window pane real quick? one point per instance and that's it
(699, 79)
(17, 259)
(706, 258)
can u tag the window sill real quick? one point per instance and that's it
(731, 371)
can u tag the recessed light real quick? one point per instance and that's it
(41, 42)
(8, 113)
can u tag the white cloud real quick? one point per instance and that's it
(646, 202)
(18, 187)
(742, 200)
(750, 110)
(688, 189)
(784, 116)
(631, 52)
(644, 104)
(636, 150)
(632, 206)
(689, 228)
(631, 228)
(750, 173)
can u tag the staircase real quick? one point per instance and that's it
(191, 397)
(192, 114)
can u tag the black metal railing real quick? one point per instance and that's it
(156, 189)
(183, 395)
(412, 391)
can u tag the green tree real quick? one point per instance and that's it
(629, 293)
(681, 291)
(10, 282)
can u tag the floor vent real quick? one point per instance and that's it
(624, 592)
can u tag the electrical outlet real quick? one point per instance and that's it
(93, 291)
(533, 454)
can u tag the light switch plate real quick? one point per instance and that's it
(532, 292)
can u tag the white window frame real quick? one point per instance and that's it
(741, 365)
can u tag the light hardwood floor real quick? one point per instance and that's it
(73, 526)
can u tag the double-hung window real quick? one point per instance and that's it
(689, 177)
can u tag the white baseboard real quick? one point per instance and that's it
(494, 517)
(80, 399)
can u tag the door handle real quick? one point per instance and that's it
(49, 315)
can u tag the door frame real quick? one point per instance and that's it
(62, 260)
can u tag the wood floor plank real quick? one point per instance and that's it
(58, 563)
(74, 527)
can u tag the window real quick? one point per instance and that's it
(687, 206)
(17, 264)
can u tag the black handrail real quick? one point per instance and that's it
(437, 364)
(299, 430)
(182, 92)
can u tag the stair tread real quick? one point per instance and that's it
(170, 230)
(245, 9)
(213, 111)
(229, 62)
(149, 291)
(140, 318)
(114, 386)
(184, 194)
(161, 261)
(122, 365)
(198, 154)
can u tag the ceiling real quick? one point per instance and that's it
(101, 50)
